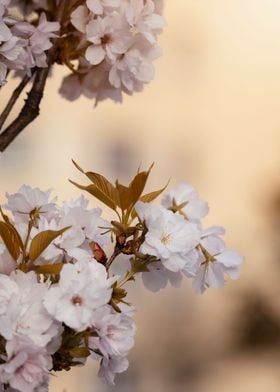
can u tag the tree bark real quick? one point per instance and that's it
(30, 110)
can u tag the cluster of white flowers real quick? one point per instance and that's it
(59, 303)
(23, 45)
(176, 238)
(34, 312)
(108, 44)
(120, 38)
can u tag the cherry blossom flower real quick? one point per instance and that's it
(108, 38)
(143, 18)
(83, 287)
(98, 6)
(83, 229)
(184, 198)
(31, 201)
(25, 314)
(36, 41)
(215, 261)
(26, 365)
(109, 367)
(115, 331)
(122, 42)
(158, 276)
(169, 238)
(89, 221)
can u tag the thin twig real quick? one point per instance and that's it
(30, 110)
(116, 253)
(4, 115)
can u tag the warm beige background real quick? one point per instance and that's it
(210, 117)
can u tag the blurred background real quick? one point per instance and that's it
(212, 118)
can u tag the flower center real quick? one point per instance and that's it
(77, 300)
(134, 30)
(106, 39)
(166, 239)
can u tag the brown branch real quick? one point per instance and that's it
(4, 115)
(30, 110)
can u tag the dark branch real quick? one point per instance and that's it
(13, 100)
(30, 110)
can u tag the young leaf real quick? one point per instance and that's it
(103, 185)
(11, 239)
(137, 185)
(42, 240)
(125, 196)
(98, 193)
(78, 167)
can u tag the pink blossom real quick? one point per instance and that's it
(82, 288)
(28, 200)
(26, 366)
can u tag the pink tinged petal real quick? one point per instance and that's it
(71, 87)
(230, 258)
(5, 32)
(233, 273)
(215, 276)
(175, 278)
(160, 249)
(196, 209)
(213, 245)
(181, 194)
(190, 268)
(95, 6)
(79, 18)
(148, 250)
(18, 203)
(175, 263)
(95, 54)
(155, 21)
(199, 284)
(146, 72)
(149, 37)
(213, 231)
(114, 77)
(16, 363)
(51, 298)
(154, 280)
(111, 3)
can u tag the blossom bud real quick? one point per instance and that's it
(98, 252)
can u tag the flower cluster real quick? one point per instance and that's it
(60, 302)
(23, 45)
(109, 45)
(120, 38)
(175, 237)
